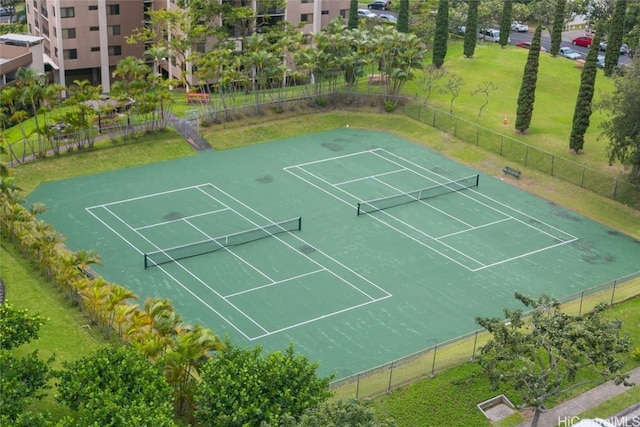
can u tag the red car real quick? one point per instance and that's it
(527, 45)
(585, 41)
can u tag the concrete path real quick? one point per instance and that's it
(566, 413)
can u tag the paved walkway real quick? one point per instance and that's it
(562, 414)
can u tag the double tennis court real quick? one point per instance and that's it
(359, 247)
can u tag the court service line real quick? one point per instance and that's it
(288, 279)
(306, 243)
(573, 238)
(521, 256)
(404, 223)
(369, 177)
(146, 196)
(324, 316)
(226, 248)
(157, 224)
(424, 203)
(188, 272)
(508, 218)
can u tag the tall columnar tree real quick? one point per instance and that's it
(614, 38)
(558, 26)
(403, 17)
(441, 34)
(471, 29)
(582, 112)
(527, 95)
(540, 355)
(623, 125)
(505, 22)
(353, 15)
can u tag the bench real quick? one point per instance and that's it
(197, 97)
(511, 171)
(377, 79)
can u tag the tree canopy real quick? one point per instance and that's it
(541, 355)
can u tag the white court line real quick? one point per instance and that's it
(364, 178)
(377, 218)
(572, 238)
(344, 310)
(314, 162)
(288, 279)
(146, 196)
(190, 274)
(306, 243)
(474, 228)
(424, 203)
(226, 248)
(157, 224)
(110, 228)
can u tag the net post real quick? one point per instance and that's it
(299, 223)
(145, 261)
(477, 180)
(358, 211)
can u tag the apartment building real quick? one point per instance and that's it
(85, 39)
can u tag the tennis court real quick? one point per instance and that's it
(358, 246)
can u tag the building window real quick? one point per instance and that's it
(55, 32)
(35, 4)
(95, 49)
(307, 1)
(343, 13)
(55, 52)
(113, 9)
(201, 47)
(307, 17)
(70, 54)
(113, 30)
(68, 33)
(94, 28)
(67, 12)
(115, 50)
(93, 7)
(325, 12)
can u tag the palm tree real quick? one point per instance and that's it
(157, 54)
(31, 84)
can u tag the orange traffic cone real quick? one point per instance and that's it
(505, 121)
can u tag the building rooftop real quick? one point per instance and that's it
(20, 39)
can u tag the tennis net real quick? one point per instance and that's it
(412, 196)
(164, 256)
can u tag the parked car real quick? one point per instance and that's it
(460, 29)
(7, 11)
(569, 53)
(585, 41)
(624, 49)
(600, 62)
(380, 5)
(387, 17)
(491, 34)
(366, 13)
(527, 45)
(519, 27)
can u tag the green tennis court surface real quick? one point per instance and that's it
(428, 252)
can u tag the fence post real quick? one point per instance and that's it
(473, 353)
(613, 291)
(615, 189)
(526, 155)
(582, 180)
(581, 298)
(390, 374)
(553, 158)
(477, 135)
(455, 128)
(501, 142)
(433, 365)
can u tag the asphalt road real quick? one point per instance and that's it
(566, 41)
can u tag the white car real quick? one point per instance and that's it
(569, 53)
(366, 13)
(491, 34)
(519, 27)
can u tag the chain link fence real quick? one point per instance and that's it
(429, 361)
